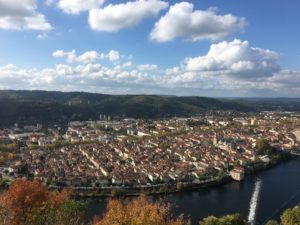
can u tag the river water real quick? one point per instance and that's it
(257, 198)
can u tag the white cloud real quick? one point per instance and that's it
(148, 67)
(287, 79)
(87, 57)
(22, 15)
(236, 58)
(95, 77)
(62, 69)
(116, 17)
(78, 6)
(113, 55)
(228, 69)
(183, 21)
(88, 69)
(58, 53)
(123, 66)
(71, 56)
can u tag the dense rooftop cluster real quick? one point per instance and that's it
(141, 152)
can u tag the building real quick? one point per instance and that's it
(237, 174)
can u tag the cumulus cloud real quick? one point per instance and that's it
(78, 6)
(148, 67)
(87, 57)
(90, 56)
(116, 17)
(90, 76)
(183, 21)
(113, 55)
(71, 56)
(236, 58)
(221, 72)
(22, 15)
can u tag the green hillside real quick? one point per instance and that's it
(49, 107)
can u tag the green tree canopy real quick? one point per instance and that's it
(272, 222)
(234, 219)
(263, 146)
(291, 216)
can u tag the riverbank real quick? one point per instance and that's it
(161, 189)
(171, 188)
(275, 159)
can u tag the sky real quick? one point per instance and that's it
(214, 48)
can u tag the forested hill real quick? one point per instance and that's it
(48, 107)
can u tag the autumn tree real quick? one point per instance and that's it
(139, 211)
(10, 156)
(24, 198)
(29, 202)
(5, 212)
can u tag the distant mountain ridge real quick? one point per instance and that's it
(54, 106)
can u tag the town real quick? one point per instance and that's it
(138, 153)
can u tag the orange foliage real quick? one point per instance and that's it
(10, 156)
(25, 199)
(58, 198)
(138, 212)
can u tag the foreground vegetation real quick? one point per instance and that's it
(29, 202)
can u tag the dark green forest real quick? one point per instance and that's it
(48, 107)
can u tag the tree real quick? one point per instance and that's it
(23, 198)
(211, 220)
(72, 212)
(29, 202)
(138, 212)
(234, 219)
(10, 156)
(291, 216)
(179, 186)
(272, 222)
(263, 146)
(5, 212)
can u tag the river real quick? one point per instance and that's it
(257, 198)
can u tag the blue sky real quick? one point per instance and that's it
(210, 47)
